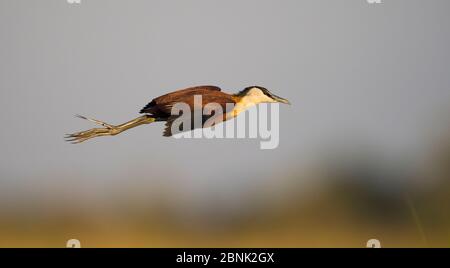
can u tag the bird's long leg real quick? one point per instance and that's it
(107, 129)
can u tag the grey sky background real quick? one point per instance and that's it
(354, 72)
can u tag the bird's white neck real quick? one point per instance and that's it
(249, 101)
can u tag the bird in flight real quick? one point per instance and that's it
(160, 109)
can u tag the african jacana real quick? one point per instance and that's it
(159, 109)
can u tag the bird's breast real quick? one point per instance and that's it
(240, 106)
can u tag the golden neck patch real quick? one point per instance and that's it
(245, 102)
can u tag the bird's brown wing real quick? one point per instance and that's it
(161, 106)
(220, 98)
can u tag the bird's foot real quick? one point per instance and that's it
(107, 130)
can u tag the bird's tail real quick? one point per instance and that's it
(107, 129)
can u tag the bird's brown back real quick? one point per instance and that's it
(160, 107)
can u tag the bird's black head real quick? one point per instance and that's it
(260, 95)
